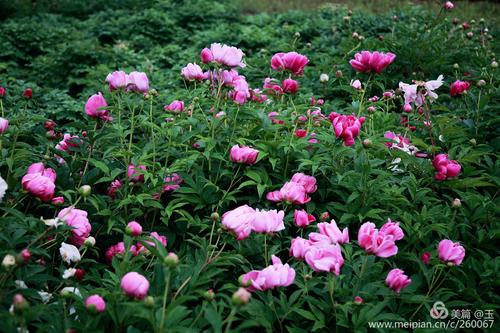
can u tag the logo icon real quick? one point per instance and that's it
(439, 310)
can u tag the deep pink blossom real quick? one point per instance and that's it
(367, 61)
(459, 88)
(77, 219)
(291, 61)
(445, 168)
(346, 127)
(95, 107)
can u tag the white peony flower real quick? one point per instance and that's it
(70, 272)
(71, 290)
(45, 296)
(8, 260)
(3, 188)
(52, 222)
(20, 284)
(69, 253)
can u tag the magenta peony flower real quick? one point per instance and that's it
(272, 86)
(291, 61)
(172, 182)
(309, 182)
(346, 127)
(243, 155)
(94, 107)
(224, 55)
(276, 275)
(239, 221)
(376, 242)
(135, 285)
(77, 219)
(138, 81)
(96, 303)
(323, 257)
(117, 80)
(241, 92)
(426, 257)
(302, 218)
(113, 187)
(39, 181)
(268, 221)
(445, 168)
(451, 253)
(397, 280)
(135, 173)
(459, 88)
(113, 250)
(175, 107)
(367, 61)
(134, 228)
(290, 86)
(4, 125)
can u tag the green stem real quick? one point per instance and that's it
(230, 319)
(165, 293)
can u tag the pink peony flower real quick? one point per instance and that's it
(332, 231)
(243, 155)
(175, 107)
(138, 81)
(239, 221)
(94, 107)
(193, 72)
(133, 228)
(158, 237)
(76, 219)
(268, 221)
(451, 253)
(356, 84)
(135, 173)
(417, 92)
(459, 88)
(135, 285)
(113, 187)
(224, 55)
(276, 275)
(299, 247)
(172, 182)
(291, 61)
(272, 115)
(4, 125)
(393, 229)
(346, 127)
(290, 86)
(113, 250)
(397, 280)
(448, 5)
(323, 257)
(57, 201)
(309, 182)
(302, 218)
(290, 192)
(39, 181)
(241, 92)
(376, 242)
(272, 86)
(445, 168)
(96, 303)
(367, 61)
(117, 80)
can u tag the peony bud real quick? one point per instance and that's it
(209, 295)
(481, 83)
(324, 216)
(367, 143)
(19, 303)
(85, 190)
(171, 260)
(4, 125)
(49, 125)
(89, 241)
(426, 257)
(133, 228)
(95, 303)
(215, 217)
(494, 64)
(241, 297)
(57, 201)
(323, 78)
(2, 92)
(28, 93)
(358, 300)
(456, 66)
(339, 74)
(26, 255)
(149, 301)
(456, 203)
